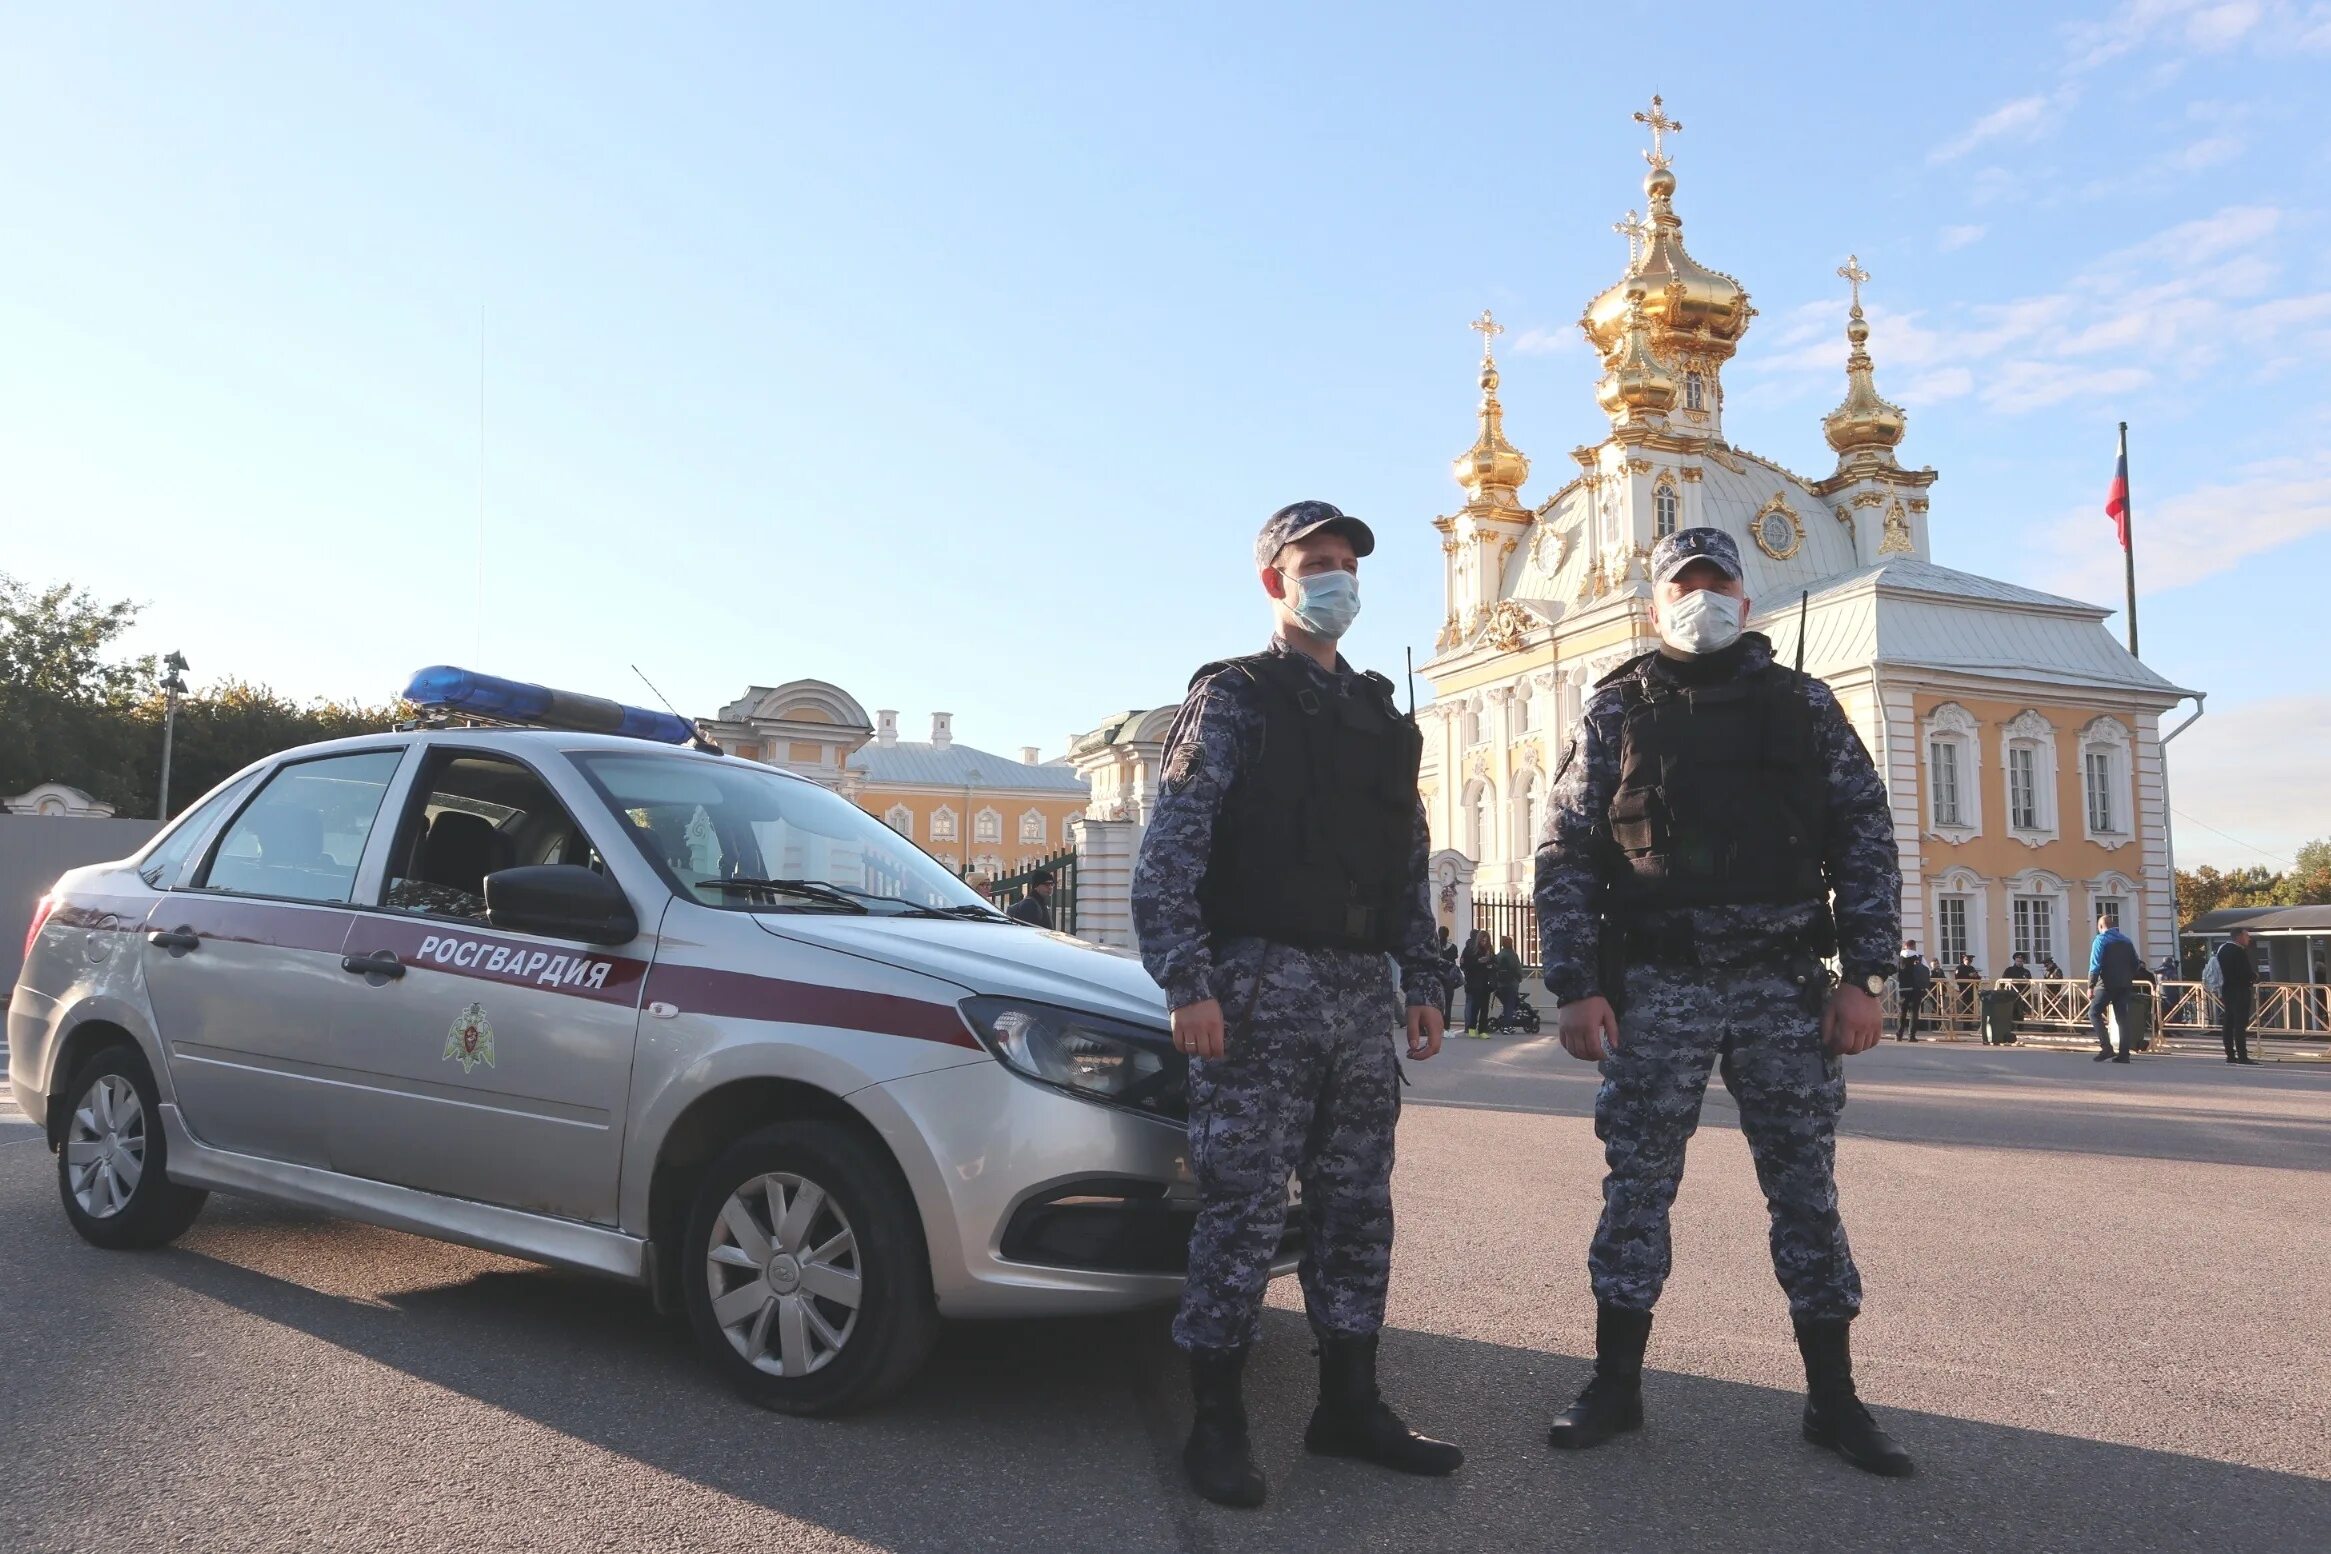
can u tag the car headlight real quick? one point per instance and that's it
(1113, 1061)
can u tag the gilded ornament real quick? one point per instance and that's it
(1691, 474)
(1869, 499)
(1724, 458)
(1777, 530)
(1897, 540)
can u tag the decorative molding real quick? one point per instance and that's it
(1508, 625)
(1897, 541)
(1869, 498)
(1640, 466)
(1728, 461)
(1777, 505)
(1918, 504)
(1691, 474)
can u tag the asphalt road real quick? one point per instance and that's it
(2098, 1311)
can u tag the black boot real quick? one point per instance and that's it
(1218, 1460)
(1613, 1400)
(1353, 1420)
(1834, 1415)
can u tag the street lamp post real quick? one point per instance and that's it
(173, 685)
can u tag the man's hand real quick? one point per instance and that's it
(1198, 1028)
(1850, 1022)
(1589, 1030)
(1424, 1030)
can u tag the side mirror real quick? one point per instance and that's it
(562, 901)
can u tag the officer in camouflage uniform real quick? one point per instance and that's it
(1282, 872)
(1716, 832)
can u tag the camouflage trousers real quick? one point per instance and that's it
(1308, 1083)
(1764, 1033)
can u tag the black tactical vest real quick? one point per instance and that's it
(1722, 797)
(1313, 843)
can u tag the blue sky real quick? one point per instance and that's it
(954, 354)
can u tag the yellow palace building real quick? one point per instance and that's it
(985, 814)
(2020, 742)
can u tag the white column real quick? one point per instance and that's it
(1105, 850)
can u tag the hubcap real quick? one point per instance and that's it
(105, 1147)
(784, 1275)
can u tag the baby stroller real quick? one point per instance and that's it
(1522, 1022)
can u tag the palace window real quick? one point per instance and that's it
(943, 824)
(1532, 813)
(1954, 807)
(2035, 927)
(1032, 826)
(1474, 732)
(1525, 710)
(1950, 939)
(2107, 802)
(900, 819)
(987, 826)
(2098, 765)
(1480, 821)
(2031, 777)
(1943, 757)
(1663, 506)
(1695, 397)
(2109, 908)
(2023, 788)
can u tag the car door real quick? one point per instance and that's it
(242, 959)
(498, 1063)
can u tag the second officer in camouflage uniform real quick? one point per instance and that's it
(1282, 872)
(1716, 831)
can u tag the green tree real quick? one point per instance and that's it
(229, 725)
(62, 699)
(2309, 883)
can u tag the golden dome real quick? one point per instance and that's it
(1636, 385)
(1492, 470)
(1684, 301)
(1865, 424)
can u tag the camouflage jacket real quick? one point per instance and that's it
(1863, 868)
(1217, 735)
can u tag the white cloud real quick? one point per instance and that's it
(2207, 152)
(2222, 26)
(2193, 534)
(1954, 238)
(2018, 386)
(1943, 383)
(1548, 342)
(2254, 772)
(2024, 117)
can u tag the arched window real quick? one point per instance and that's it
(1525, 710)
(1480, 820)
(1663, 507)
(1954, 809)
(2107, 802)
(1032, 827)
(987, 826)
(1695, 396)
(1474, 733)
(1530, 813)
(943, 824)
(2030, 751)
(900, 819)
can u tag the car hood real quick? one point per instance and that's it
(989, 957)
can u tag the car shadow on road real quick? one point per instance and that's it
(1065, 1435)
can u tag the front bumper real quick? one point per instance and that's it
(1035, 1203)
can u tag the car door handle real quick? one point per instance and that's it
(176, 940)
(380, 963)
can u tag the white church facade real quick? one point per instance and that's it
(2019, 741)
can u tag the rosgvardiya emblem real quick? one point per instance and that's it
(471, 1039)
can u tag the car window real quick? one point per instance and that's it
(700, 821)
(472, 814)
(159, 868)
(301, 838)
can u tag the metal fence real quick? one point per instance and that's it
(1062, 867)
(1516, 915)
(2180, 1013)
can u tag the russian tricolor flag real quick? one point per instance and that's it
(2116, 504)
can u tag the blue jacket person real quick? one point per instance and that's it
(1715, 833)
(1281, 878)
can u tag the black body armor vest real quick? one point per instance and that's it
(1313, 843)
(1722, 799)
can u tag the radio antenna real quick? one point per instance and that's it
(1803, 600)
(1411, 656)
(676, 712)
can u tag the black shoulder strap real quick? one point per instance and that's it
(1626, 670)
(1247, 664)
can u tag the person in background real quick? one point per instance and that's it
(2114, 970)
(2019, 972)
(1034, 908)
(2168, 970)
(1507, 977)
(2050, 970)
(1448, 953)
(1474, 967)
(1912, 982)
(2237, 994)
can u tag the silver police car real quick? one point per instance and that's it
(598, 1002)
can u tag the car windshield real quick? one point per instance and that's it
(706, 822)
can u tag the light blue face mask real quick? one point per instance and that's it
(1325, 603)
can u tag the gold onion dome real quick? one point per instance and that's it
(1493, 469)
(1684, 300)
(1865, 423)
(1635, 385)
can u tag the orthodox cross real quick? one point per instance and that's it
(1854, 274)
(1489, 328)
(1658, 121)
(1634, 230)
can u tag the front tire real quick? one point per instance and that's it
(112, 1166)
(807, 1280)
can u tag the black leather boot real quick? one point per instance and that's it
(1218, 1460)
(1612, 1402)
(1353, 1420)
(1834, 1415)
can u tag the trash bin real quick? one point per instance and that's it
(2001, 1006)
(2139, 1005)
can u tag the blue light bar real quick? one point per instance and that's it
(465, 691)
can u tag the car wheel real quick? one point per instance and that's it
(806, 1277)
(112, 1170)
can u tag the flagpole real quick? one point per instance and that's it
(2129, 544)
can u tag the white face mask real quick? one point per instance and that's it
(1703, 621)
(1325, 603)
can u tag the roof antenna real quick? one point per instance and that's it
(697, 743)
(1803, 600)
(675, 712)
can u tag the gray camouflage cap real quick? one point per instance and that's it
(1680, 550)
(1292, 522)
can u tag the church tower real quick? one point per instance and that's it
(1883, 504)
(1479, 538)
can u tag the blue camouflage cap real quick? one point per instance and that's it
(1296, 519)
(1680, 550)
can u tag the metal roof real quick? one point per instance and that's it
(917, 764)
(2297, 919)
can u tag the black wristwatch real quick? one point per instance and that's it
(1869, 980)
